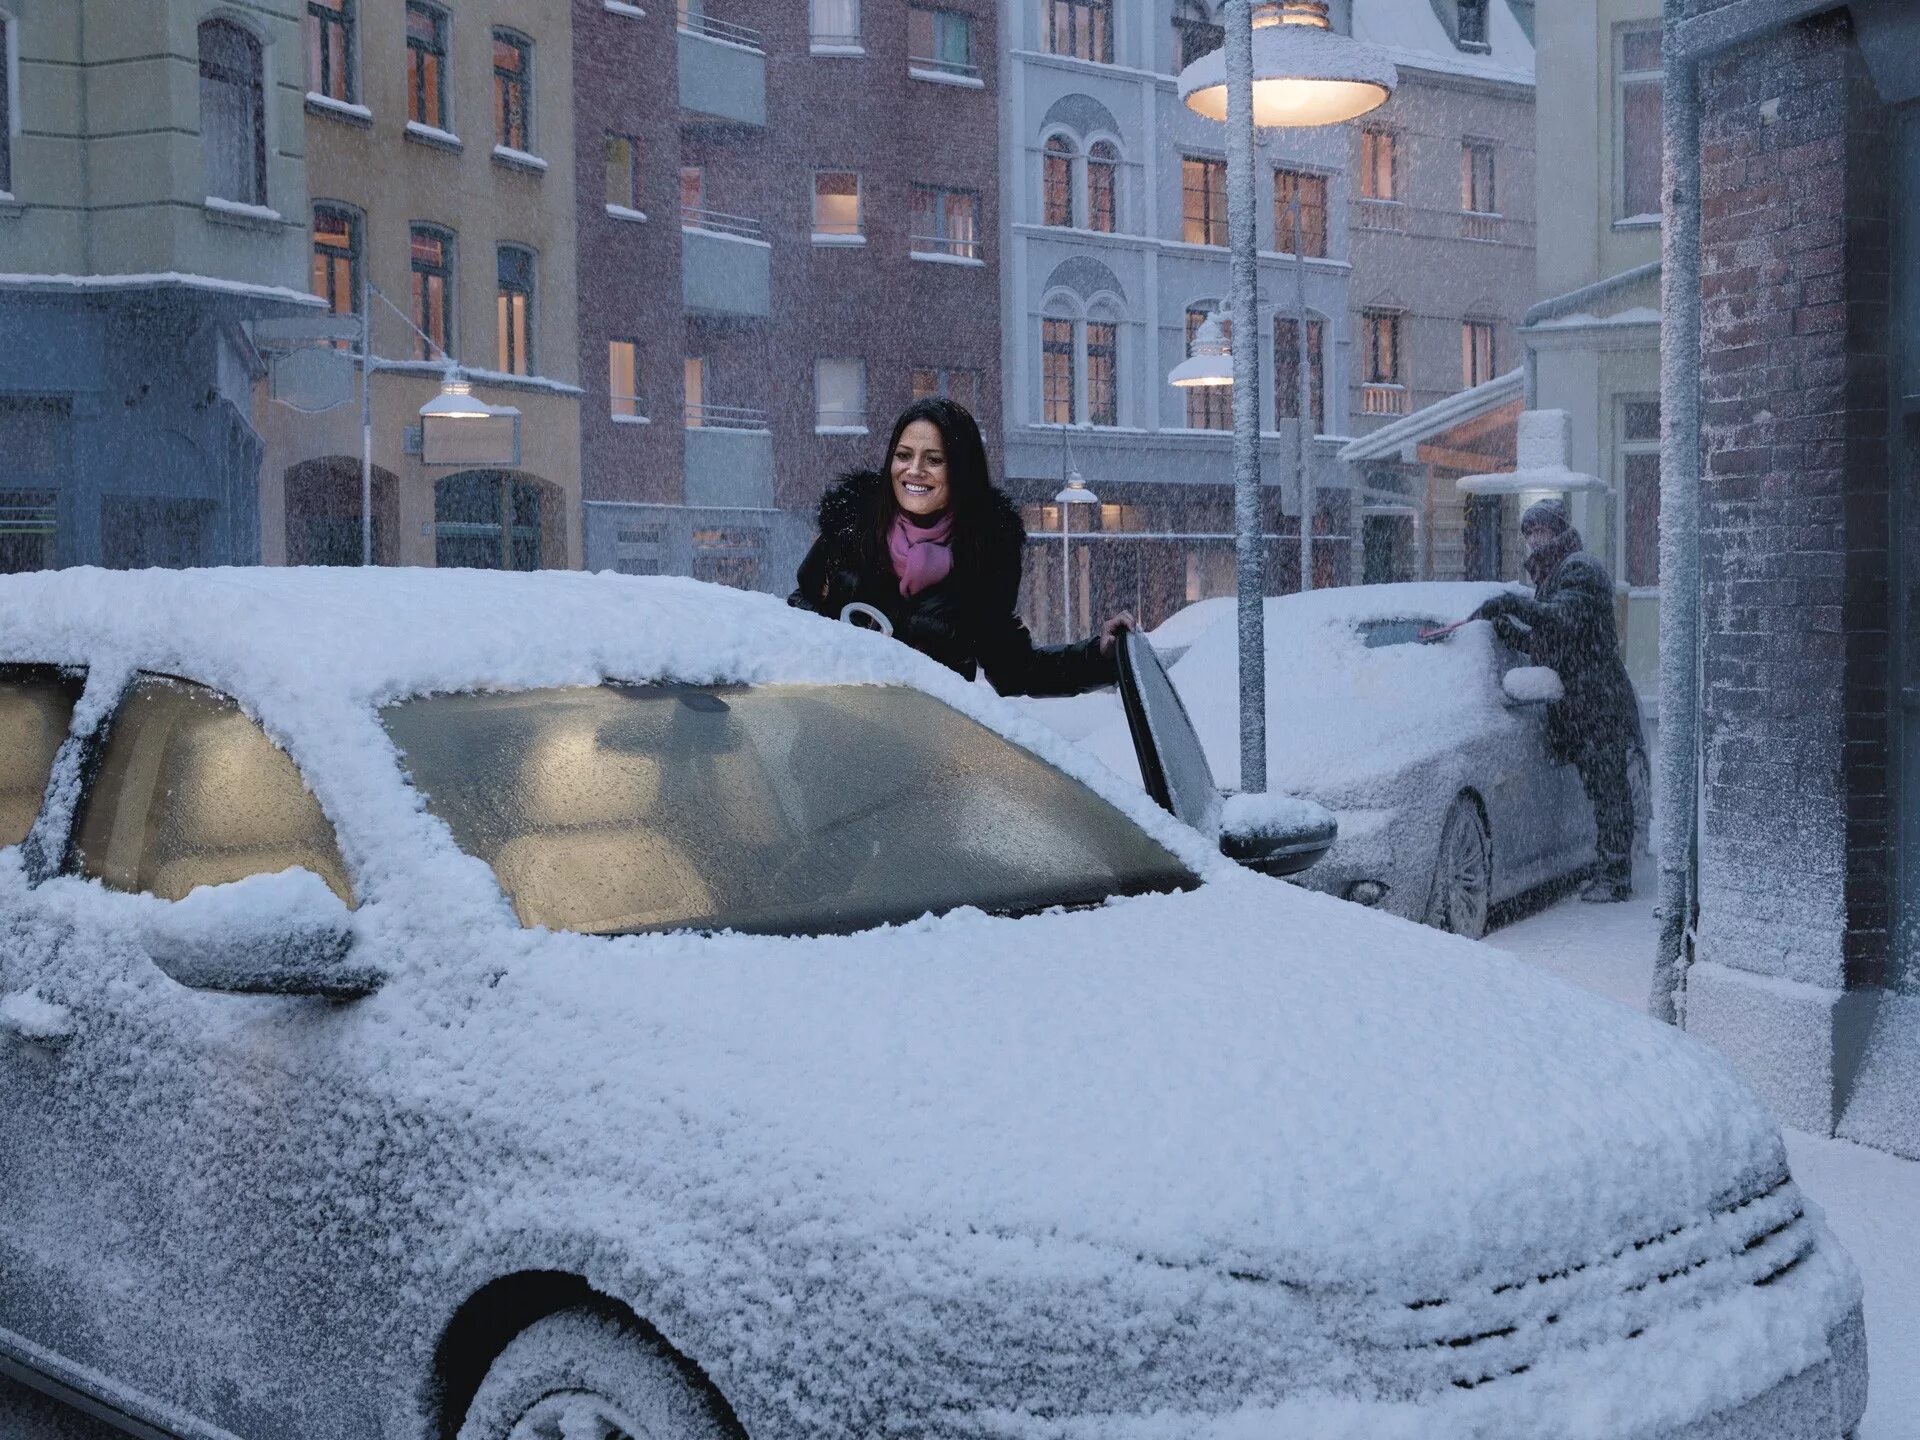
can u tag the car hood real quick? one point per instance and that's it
(1246, 1077)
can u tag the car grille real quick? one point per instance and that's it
(1416, 1346)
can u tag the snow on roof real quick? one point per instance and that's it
(1387, 442)
(1413, 37)
(168, 280)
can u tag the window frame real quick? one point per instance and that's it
(1624, 215)
(1473, 151)
(1058, 161)
(506, 83)
(447, 272)
(631, 413)
(1099, 36)
(250, 90)
(1473, 330)
(834, 42)
(859, 230)
(630, 206)
(1110, 164)
(1373, 138)
(441, 47)
(1210, 193)
(1286, 394)
(839, 420)
(321, 17)
(527, 291)
(1371, 318)
(947, 246)
(940, 23)
(1105, 355)
(354, 254)
(1315, 217)
(1057, 351)
(1481, 41)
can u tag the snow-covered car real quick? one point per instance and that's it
(452, 1003)
(1433, 758)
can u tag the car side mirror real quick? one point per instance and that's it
(1276, 834)
(284, 934)
(1532, 685)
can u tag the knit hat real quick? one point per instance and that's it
(1548, 515)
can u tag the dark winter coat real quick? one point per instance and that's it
(967, 621)
(1569, 627)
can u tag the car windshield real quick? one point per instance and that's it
(1376, 634)
(790, 809)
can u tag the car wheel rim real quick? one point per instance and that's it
(1466, 893)
(574, 1415)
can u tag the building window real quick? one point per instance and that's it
(1639, 561)
(840, 395)
(1056, 170)
(623, 173)
(1198, 35)
(1312, 193)
(1476, 352)
(426, 65)
(1379, 169)
(512, 91)
(432, 263)
(336, 258)
(486, 520)
(233, 114)
(1081, 28)
(515, 268)
(1203, 193)
(1473, 24)
(941, 40)
(1637, 103)
(693, 381)
(623, 379)
(946, 222)
(1103, 388)
(1103, 162)
(960, 386)
(1476, 178)
(1382, 329)
(836, 202)
(834, 23)
(1057, 371)
(330, 49)
(1209, 407)
(1286, 370)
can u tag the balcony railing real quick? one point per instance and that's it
(742, 35)
(1480, 224)
(1382, 214)
(943, 67)
(725, 417)
(1385, 400)
(720, 223)
(945, 245)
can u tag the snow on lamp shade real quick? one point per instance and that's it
(1212, 360)
(459, 428)
(1303, 72)
(1543, 446)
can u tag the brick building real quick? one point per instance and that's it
(831, 168)
(1804, 122)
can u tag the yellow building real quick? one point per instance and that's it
(439, 144)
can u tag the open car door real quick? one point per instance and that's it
(1174, 769)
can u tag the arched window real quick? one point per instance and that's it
(1103, 370)
(1059, 374)
(489, 520)
(1057, 181)
(1080, 361)
(1102, 160)
(233, 116)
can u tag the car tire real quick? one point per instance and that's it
(1462, 890)
(582, 1373)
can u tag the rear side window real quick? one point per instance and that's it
(190, 791)
(36, 707)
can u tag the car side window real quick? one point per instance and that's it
(36, 707)
(190, 791)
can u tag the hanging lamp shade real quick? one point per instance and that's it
(1304, 73)
(1212, 360)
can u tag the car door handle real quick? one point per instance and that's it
(25, 1016)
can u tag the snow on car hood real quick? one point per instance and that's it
(1341, 718)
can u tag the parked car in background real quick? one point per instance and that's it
(1435, 764)
(528, 1007)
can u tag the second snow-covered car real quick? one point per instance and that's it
(559, 1006)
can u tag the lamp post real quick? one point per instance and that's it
(1075, 493)
(1283, 66)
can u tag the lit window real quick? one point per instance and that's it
(623, 172)
(431, 259)
(1081, 28)
(233, 117)
(1103, 389)
(1312, 193)
(426, 65)
(1286, 371)
(1209, 407)
(1378, 168)
(1638, 106)
(330, 49)
(512, 91)
(946, 222)
(1203, 193)
(839, 394)
(623, 378)
(1102, 161)
(836, 202)
(1382, 329)
(1056, 166)
(336, 258)
(1476, 352)
(1476, 178)
(515, 267)
(1057, 371)
(834, 22)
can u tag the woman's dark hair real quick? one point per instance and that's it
(970, 492)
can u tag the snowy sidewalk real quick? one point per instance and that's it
(1872, 1199)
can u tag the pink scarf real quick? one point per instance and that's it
(921, 554)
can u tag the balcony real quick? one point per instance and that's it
(1385, 400)
(723, 71)
(1480, 225)
(725, 266)
(729, 459)
(1381, 214)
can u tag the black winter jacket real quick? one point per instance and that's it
(967, 621)
(1569, 626)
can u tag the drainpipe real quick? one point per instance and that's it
(1678, 781)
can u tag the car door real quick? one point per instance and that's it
(1173, 763)
(187, 1191)
(1551, 818)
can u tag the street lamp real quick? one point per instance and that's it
(1282, 64)
(1075, 493)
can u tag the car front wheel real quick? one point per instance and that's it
(579, 1375)
(1463, 873)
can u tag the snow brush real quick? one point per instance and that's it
(1434, 637)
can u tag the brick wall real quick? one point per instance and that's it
(1795, 237)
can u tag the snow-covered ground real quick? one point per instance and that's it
(1871, 1198)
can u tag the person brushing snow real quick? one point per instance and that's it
(1568, 624)
(934, 546)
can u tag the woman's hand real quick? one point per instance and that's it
(1110, 632)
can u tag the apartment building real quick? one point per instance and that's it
(440, 196)
(152, 205)
(819, 247)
